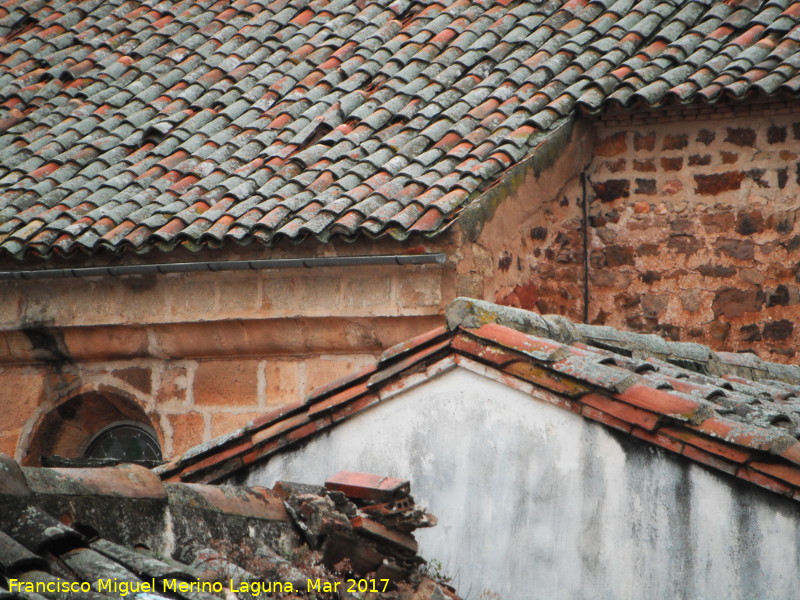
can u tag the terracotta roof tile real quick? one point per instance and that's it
(733, 413)
(190, 98)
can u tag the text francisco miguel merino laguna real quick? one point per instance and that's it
(254, 588)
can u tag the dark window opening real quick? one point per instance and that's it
(125, 442)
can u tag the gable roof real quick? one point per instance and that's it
(130, 125)
(731, 412)
(66, 526)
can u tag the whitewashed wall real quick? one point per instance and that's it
(536, 502)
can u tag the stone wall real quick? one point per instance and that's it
(692, 232)
(194, 355)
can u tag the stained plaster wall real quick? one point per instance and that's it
(692, 230)
(200, 354)
(536, 502)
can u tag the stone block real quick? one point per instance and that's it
(612, 189)
(741, 136)
(733, 302)
(188, 429)
(706, 136)
(421, 289)
(711, 185)
(644, 141)
(369, 293)
(222, 422)
(226, 383)
(323, 370)
(778, 330)
(238, 295)
(173, 385)
(138, 377)
(612, 145)
(675, 141)
(282, 382)
(738, 249)
(192, 300)
(22, 391)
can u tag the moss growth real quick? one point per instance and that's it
(548, 150)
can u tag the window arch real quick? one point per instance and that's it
(99, 425)
(127, 441)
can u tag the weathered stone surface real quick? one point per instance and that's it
(612, 189)
(706, 136)
(733, 302)
(644, 141)
(612, 145)
(714, 184)
(188, 430)
(684, 244)
(738, 249)
(676, 141)
(653, 305)
(741, 136)
(720, 330)
(748, 223)
(778, 330)
(226, 382)
(750, 333)
(716, 270)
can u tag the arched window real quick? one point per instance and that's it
(93, 428)
(125, 441)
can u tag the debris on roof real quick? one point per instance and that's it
(114, 531)
(730, 412)
(130, 125)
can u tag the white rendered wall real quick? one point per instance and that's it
(536, 502)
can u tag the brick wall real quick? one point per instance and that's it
(693, 232)
(200, 354)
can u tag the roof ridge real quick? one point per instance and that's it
(469, 313)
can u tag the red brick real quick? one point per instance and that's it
(374, 529)
(492, 354)
(612, 145)
(218, 456)
(659, 439)
(279, 428)
(275, 414)
(545, 378)
(711, 185)
(342, 397)
(764, 481)
(792, 453)
(625, 412)
(709, 459)
(644, 141)
(787, 473)
(672, 164)
(658, 401)
(596, 415)
(351, 408)
(676, 141)
(720, 448)
(367, 486)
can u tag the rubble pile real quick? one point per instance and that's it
(361, 525)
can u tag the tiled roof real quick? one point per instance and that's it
(112, 525)
(731, 412)
(133, 125)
